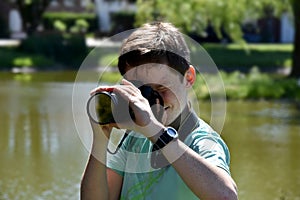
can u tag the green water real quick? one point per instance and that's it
(43, 157)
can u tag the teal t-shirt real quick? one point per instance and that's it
(141, 181)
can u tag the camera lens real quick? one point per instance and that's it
(99, 107)
(108, 107)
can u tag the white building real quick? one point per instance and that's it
(287, 31)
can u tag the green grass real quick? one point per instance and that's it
(260, 55)
(267, 56)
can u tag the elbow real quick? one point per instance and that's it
(227, 193)
(231, 193)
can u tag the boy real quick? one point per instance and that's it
(176, 157)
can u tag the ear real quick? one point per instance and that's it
(190, 76)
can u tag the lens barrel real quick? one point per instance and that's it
(109, 107)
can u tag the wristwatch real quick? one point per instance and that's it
(167, 136)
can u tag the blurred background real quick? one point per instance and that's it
(255, 45)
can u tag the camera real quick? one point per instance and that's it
(109, 107)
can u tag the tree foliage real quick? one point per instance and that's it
(31, 12)
(296, 54)
(222, 15)
(196, 15)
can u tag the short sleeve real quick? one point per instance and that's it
(209, 144)
(211, 147)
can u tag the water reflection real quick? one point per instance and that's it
(264, 140)
(42, 157)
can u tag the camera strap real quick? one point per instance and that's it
(190, 123)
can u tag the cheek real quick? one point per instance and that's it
(170, 97)
(178, 98)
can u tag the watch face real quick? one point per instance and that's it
(172, 132)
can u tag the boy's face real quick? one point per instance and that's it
(167, 82)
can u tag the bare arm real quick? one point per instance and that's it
(204, 179)
(98, 181)
(94, 182)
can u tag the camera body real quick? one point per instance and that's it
(109, 107)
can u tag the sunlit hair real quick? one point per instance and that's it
(157, 42)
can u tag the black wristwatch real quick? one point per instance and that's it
(167, 136)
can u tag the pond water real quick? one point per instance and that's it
(43, 157)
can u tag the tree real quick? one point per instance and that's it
(31, 12)
(296, 53)
(222, 15)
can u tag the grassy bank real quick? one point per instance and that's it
(240, 86)
(263, 56)
(241, 79)
(267, 57)
(253, 85)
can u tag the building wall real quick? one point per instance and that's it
(287, 29)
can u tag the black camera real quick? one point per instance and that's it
(109, 107)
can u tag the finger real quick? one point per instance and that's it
(132, 90)
(135, 84)
(101, 89)
(127, 85)
(125, 82)
(130, 94)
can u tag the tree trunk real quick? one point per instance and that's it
(296, 53)
(31, 13)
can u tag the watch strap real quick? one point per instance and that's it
(163, 140)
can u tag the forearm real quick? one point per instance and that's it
(204, 179)
(94, 182)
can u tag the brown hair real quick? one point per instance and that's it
(157, 42)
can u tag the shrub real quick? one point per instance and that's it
(81, 26)
(69, 19)
(11, 58)
(32, 61)
(69, 50)
(255, 85)
(59, 26)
